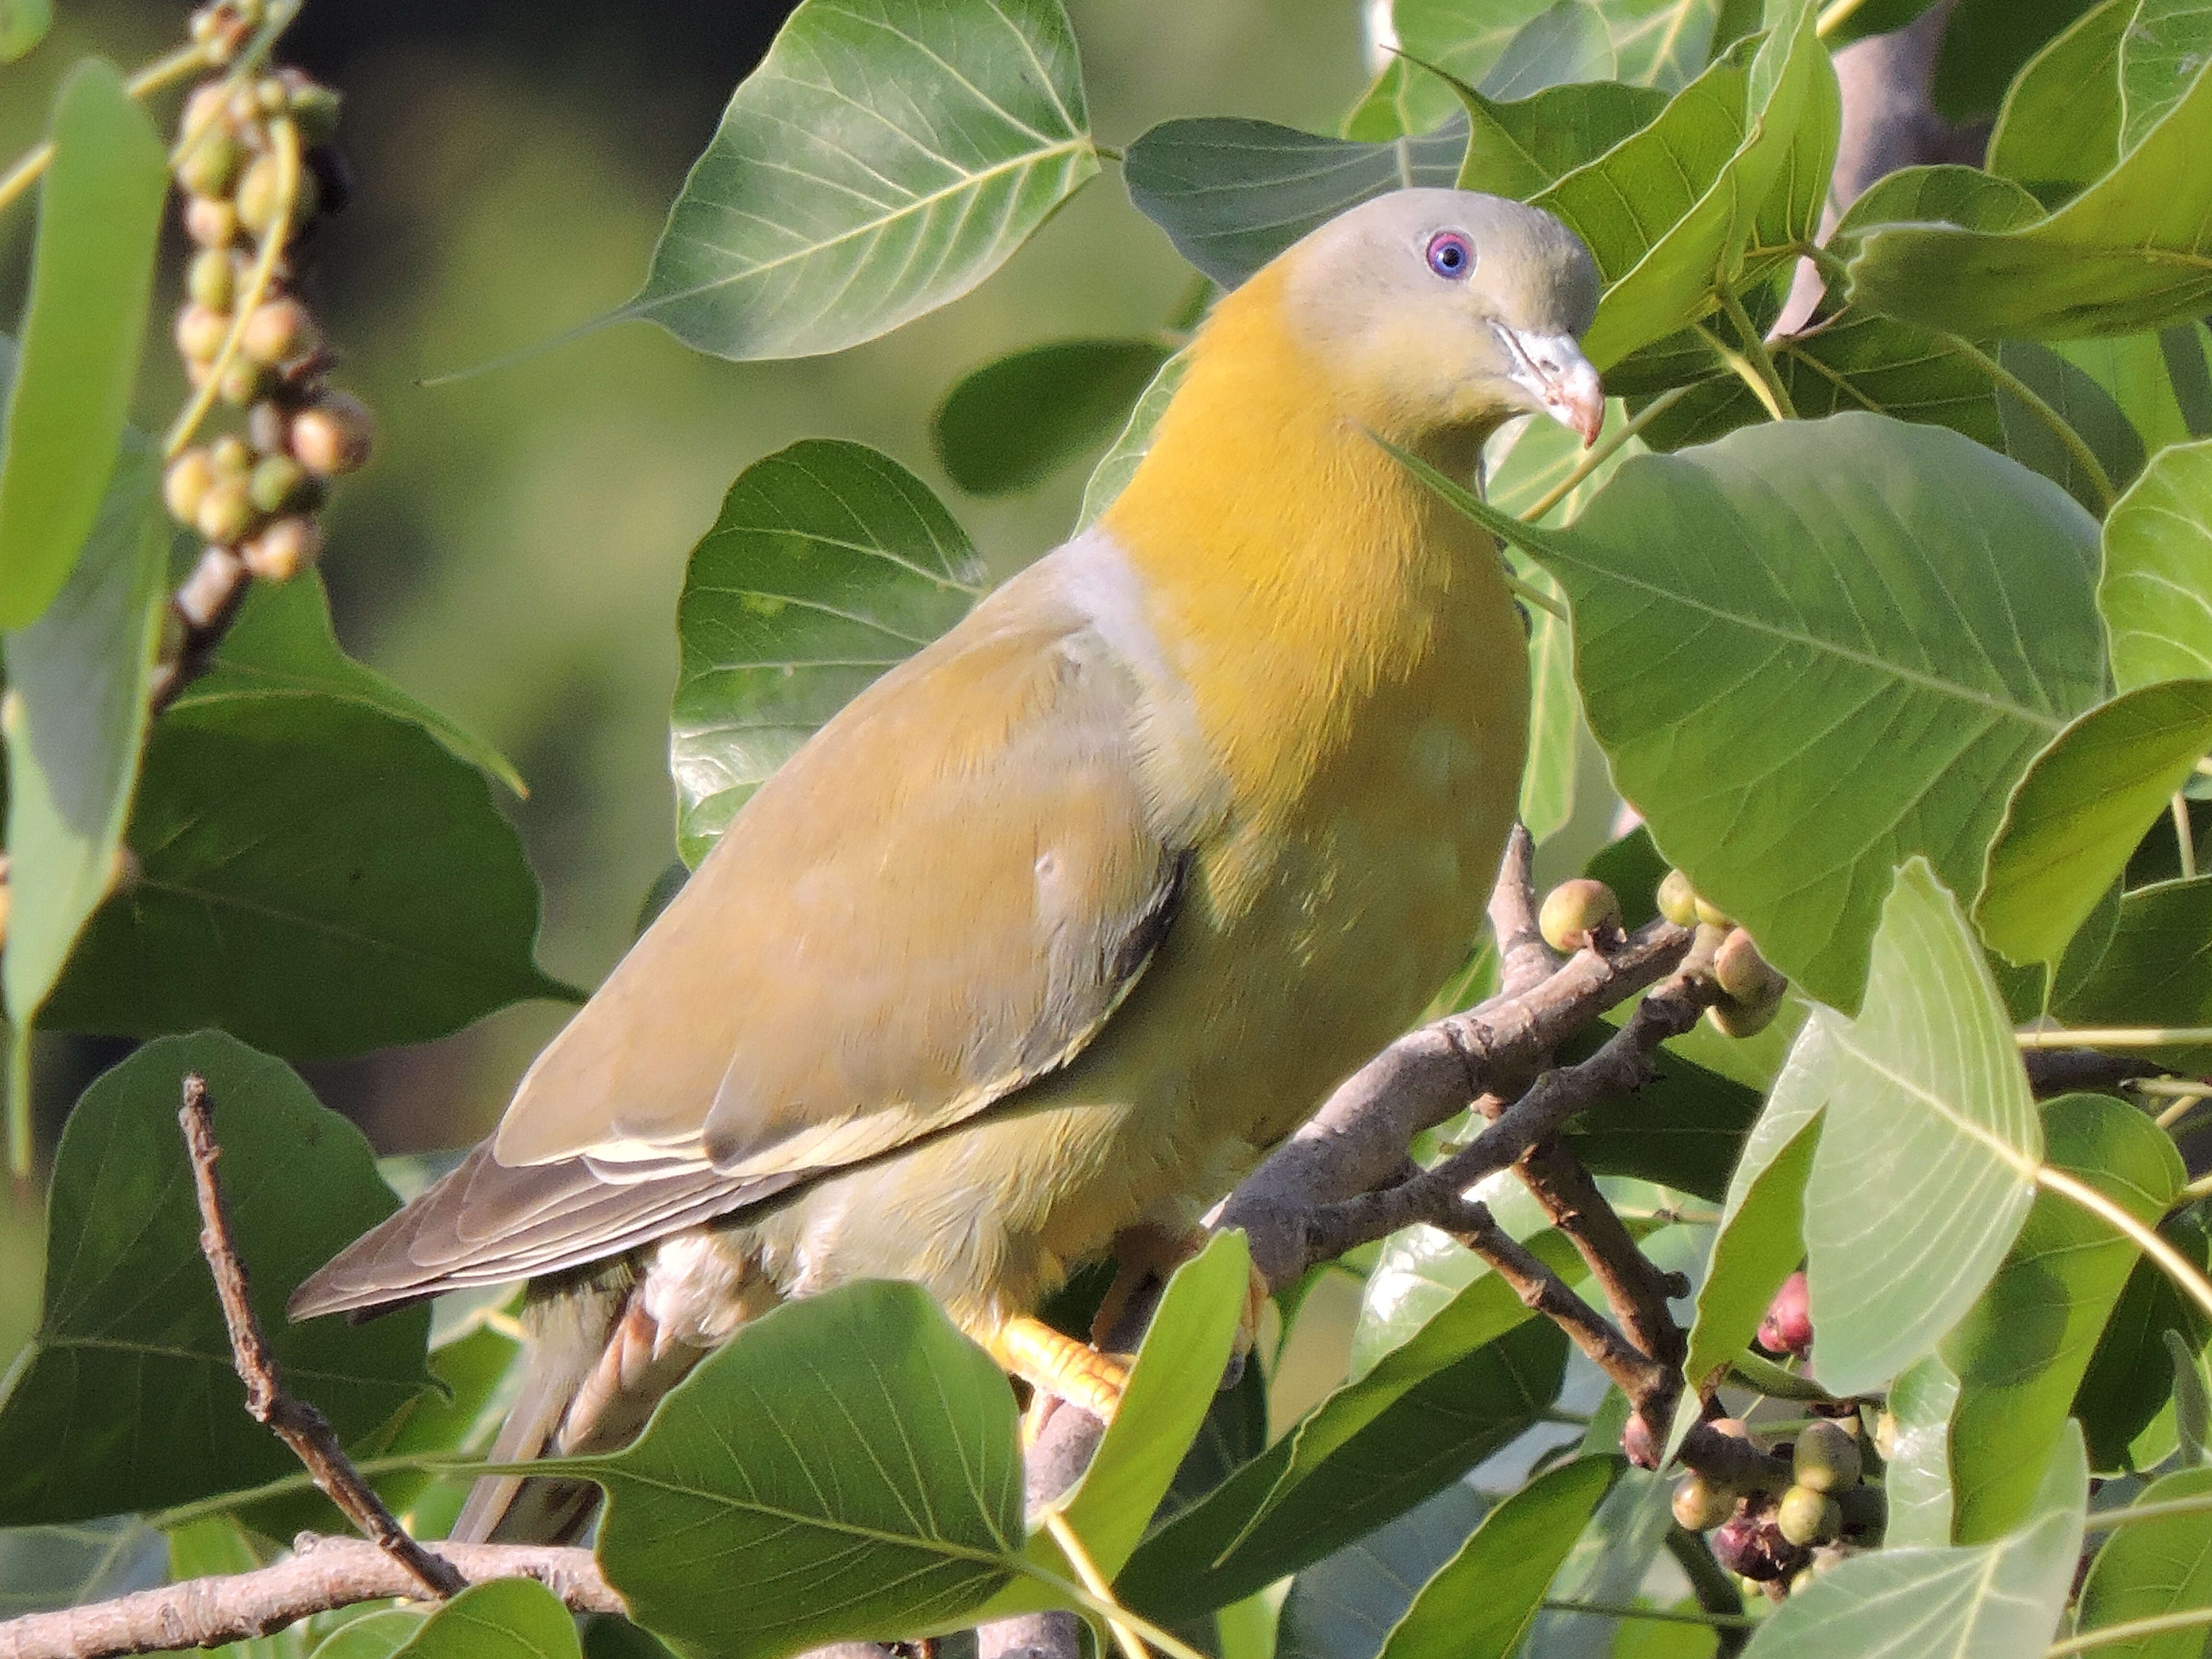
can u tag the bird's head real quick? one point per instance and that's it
(1437, 311)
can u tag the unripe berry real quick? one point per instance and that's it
(331, 436)
(270, 95)
(315, 109)
(210, 222)
(210, 280)
(1754, 1547)
(231, 456)
(286, 547)
(1806, 1516)
(1744, 974)
(185, 484)
(1700, 1506)
(243, 380)
(1712, 914)
(276, 331)
(1788, 1326)
(210, 164)
(1826, 1457)
(278, 483)
(201, 331)
(225, 510)
(260, 197)
(269, 425)
(1678, 900)
(205, 105)
(1636, 1442)
(1577, 910)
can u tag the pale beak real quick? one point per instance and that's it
(1552, 369)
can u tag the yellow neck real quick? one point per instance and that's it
(1294, 568)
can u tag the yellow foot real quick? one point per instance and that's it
(1057, 1364)
(1149, 1252)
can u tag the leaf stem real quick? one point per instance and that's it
(2187, 1619)
(2060, 426)
(2116, 1037)
(150, 78)
(1660, 1615)
(1745, 371)
(1754, 345)
(2196, 1189)
(2183, 842)
(2181, 1108)
(1072, 1546)
(2105, 1520)
(1602, 451)
(2187, 1277)
(1834, 16)
(287, 136)
(1105, 1607)
(284, 1485)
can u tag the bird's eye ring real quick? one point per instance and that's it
(1450, 256)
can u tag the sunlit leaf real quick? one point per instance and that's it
(2153, 1568)
(505, 1618)
(885, 157)
(827, 564)
(127, 1399)
(2156, 595)
(2166, 43)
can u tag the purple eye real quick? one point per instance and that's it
(1450, 256)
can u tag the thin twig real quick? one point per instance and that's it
(301, 1426)
(163, 71)
(2130, 1630)
(1744, 370)
(320, 1574)
(2117, 1037)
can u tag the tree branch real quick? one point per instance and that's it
(301, 1427)
(320, 1574)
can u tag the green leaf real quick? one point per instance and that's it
(2077, 398)
(885, 157)
(1343, 1606)
(2021, 1352)
(74, 717)
(1463, 38)
(126, 1398)
(827, 564)
(2129, 1380)
(1984, 45)
(1611, 1561)
(1918, 1481)
(1481, 1603)
(1523, 148)
(505, 1618)
(1761, 1236)
(1758, 617)
(1997, 1601)
(2192, 1400)
(1684, 1129)
(23, 24)
(1010, 424)
(2166, 43)
(1171, 1388)
(1672, 209)
(1472, 1379)
(784, 1495)
(2151, 1568)
(1874, 17)
(2156, 595)
(42, 1568)
(2060, 125)
(1565, 42)
(1925, 1168)
(316, 877)
(92, 275)
(470, 1371)
(2157, 969)
(376, 1635)
(1232, 193)
(1418, 1272)
(282, 641)
(1944, 193)
(2077, 813)
(2129, 252)
(1119, 462)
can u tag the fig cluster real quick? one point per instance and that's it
(1777, 1542)
(251, 151)
(1752, 988)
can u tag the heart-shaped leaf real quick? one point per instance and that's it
(126, 1398)
(827, 564)
(1012, 423)
(885, 157)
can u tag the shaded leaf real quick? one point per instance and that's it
(2166, 43)
(1522, 148)
(827, 564)
(2157, 969)
(282, 641)
(1119, 462)
(1012, 423)
(74, 717)
(1343, 1607)
(2130, 1381)
(2060, 125)
(42, 1568)
(1918, 1481)
(1925, 1168)
(1997, 1601)
(1463, 38)
(2076, 398)
(1943, 193)
(845, 1468)
(377, 1635)
(1609, 1562)
(2078, 810)
(505, 1618)
(1481, 1603)
(316, 877)
(2156, 595)
(1233, 193)
(217, 1547)
(92, 275)
(885, 157)
(126, 1398)
(1565, 42)
(2192, 1401)
(1758, 617)
(23, 24)
(2151, 1568)
(1684, 1129)
(1983, 47)
(2021, 1352)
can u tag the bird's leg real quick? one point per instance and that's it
(1146, 1251)
(1054, 1363)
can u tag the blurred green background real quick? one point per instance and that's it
(514, 552)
